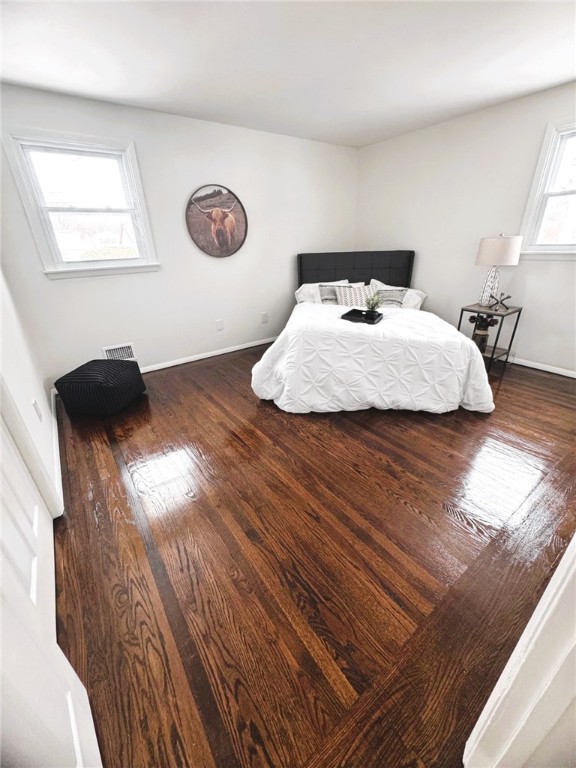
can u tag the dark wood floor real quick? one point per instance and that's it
(238, 586)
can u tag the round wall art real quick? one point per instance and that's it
(216, 220)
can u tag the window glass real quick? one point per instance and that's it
(79, 180)
(94, 236)
(566, 174)
(559, 221)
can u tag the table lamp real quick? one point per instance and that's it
(495, 252)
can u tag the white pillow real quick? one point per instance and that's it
(353, 295)
(311, 291)
(392, 297)
(413, 298)
(329, 293)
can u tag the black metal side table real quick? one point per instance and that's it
(493, 352)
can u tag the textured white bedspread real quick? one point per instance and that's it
(411, 360)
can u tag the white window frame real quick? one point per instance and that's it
(18, 142)
(550, 154)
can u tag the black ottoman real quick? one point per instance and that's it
(100, 387)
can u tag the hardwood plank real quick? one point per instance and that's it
(242, 542)
(359, 475)
(412, 588)
(447, 670)
(276, 590)
(124, 642)
(320, 501)
(240, 639)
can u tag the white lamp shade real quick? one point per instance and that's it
(503, 251)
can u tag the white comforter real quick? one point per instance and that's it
(411, 360)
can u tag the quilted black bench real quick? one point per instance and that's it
(100, 387)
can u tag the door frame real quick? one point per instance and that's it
(29, 452)
(537, 685)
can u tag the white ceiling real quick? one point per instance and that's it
(349, 73)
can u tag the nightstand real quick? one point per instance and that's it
(494, 352)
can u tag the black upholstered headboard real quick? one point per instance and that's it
(391, 267)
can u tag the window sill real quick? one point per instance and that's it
(548, 256)
(67, 272)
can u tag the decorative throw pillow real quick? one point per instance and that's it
(328, 293)
(353, 295)
(391, 297)
(311, 291)
(413, 298)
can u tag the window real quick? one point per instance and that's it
(549, 225)
(85, 204)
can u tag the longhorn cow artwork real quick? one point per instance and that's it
(216, 220)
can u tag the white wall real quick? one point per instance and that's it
(440, 189)
(558, 748)
(298, 195)
(25, 383)
(437, 190)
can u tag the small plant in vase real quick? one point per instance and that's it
(372, 304)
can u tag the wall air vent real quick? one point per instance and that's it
(120, 352)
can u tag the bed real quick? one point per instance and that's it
(410, 360)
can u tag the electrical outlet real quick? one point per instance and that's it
(37, 409)
(219, 325)
(264, 317)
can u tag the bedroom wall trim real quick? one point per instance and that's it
(203, 355)
(543, 367)
(56, 446)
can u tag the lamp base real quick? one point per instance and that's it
(490, 287)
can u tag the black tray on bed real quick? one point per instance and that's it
(362, 316)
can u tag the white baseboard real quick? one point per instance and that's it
(203, 355)
(544, 367)
(56, 446)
